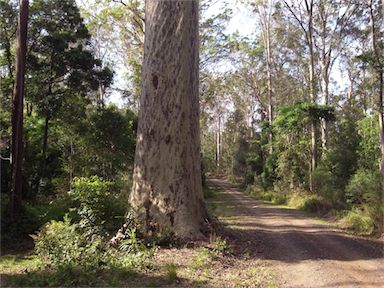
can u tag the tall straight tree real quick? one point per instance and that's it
(303, 13)
(376, 17)
(265, 11)
(167, 190)
(332, 26)
(17, 113)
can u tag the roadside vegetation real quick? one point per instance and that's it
(76, 251)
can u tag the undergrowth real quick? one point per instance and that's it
(361, 220)
(271, 197)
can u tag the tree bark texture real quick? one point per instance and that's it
(17, 113)
(167, 190)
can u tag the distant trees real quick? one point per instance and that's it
(325, 72)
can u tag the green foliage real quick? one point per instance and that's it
(273, 197)
(70, 258)
(221, 247)
(201, 260)
(110, 140)
(324, 185)
(308, 202)
(293, 117)
(341, 158)
(59, 243)
(364, 187)
(134, 251)
(368, 150)
(358, 221)
(364, 192)
(98, 209)
(171, 272)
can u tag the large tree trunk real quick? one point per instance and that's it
(167, 191)
(17, 114)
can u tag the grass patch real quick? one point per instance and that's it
(171, 269)
(13, 264)
(308, 203)
(358, 221)
(221, 246)
(201, 260)
(271, 197)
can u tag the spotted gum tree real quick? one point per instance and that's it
(167, 191)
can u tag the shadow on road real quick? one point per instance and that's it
(275, 233)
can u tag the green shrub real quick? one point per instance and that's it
(358, 221)
(97, 208)
(27, 222)
(364, 191)
(221, 246)
(171, 272)
(323, 185)
(364, 187)
(309, 202)
(59, 243)
(273, 197)
(62, 244)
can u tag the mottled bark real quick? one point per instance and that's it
(17, 113)
(167, 192)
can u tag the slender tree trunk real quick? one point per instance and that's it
(350, 88)
(325, 96)
(379, 70)
(270, 93)
(324, 65)
(17, 114)
(218, 143)
(44, 150)
(265, 20)
(312, 89)
(167, 192)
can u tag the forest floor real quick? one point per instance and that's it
(269, 246)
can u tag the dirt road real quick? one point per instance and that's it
(303, 251)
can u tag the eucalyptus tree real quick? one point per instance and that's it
(333, 23)
(167, 188)
(303, 13)
(376, 19)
